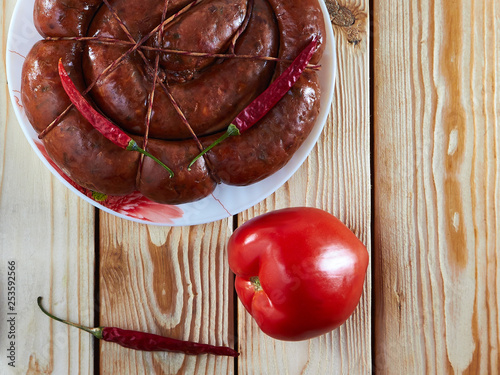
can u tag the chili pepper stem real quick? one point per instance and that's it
(133, 146)
(231, 130)
(97, 332)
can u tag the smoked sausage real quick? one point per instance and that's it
(198, 95)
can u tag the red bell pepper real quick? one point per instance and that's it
(299, 271)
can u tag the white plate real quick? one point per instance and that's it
(224, 202)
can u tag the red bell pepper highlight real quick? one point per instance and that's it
(259, 107)
(145, 341)
(101, 123)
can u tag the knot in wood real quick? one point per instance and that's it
(339, 15)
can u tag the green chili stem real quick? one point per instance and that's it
(231, 130)
(133, 146)
(97, 332)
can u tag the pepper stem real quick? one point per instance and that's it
(231, 130)
(133, 146)
(97, 332)
(256, 283)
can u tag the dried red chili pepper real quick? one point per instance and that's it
(146, 341)
(101, 123)
(259, 107)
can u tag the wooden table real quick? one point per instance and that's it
(408, 161)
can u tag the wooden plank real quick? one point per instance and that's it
(169, 281)
(336, 178)
(47, 232)
(436, 147)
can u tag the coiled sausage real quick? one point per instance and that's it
(210, 92)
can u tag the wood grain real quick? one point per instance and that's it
(336, 178)
(435, 112)
(49, 233)
(169, 281)
(436, 131)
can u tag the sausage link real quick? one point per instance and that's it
(89, 159)
(63, 17)
(186, 185)
(42, 94)
(191, 32)
(299, 21)
(74, 145)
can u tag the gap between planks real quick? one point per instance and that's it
(97, 302)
